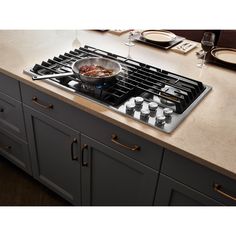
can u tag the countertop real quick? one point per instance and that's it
(207, 135)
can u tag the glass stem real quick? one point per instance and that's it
(204, 59)
(129, 53)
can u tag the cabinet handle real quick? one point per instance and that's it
(114, 139)
(218, 188)
(1, 110)
(73, 157)
(84, 163)
(35, 100)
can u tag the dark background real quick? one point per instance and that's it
(224, 38)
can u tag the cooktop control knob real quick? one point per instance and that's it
(152, 106)
(160, 120)
(167, 112)
(130, 107)
(144, 113)
(138, 101)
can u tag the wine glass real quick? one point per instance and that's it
(76, 43)
(207, 44)
(131, 37)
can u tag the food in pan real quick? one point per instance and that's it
(95, 71)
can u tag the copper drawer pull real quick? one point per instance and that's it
(114, 139)
(218, 187)
(84, 162)
(35, 100)
(73, 157)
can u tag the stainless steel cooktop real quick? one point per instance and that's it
(150, 95)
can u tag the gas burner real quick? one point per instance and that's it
(88, 87)
(148, 94)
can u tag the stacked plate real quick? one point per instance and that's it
(159, 38)
(226, 55)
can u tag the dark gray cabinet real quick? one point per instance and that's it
(13, 141)
(11, 116)
(174, 193)
(198, 178)
(99, 167)
(15, 150)
(55, 155)
(112, 178)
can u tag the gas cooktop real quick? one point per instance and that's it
(153, 96)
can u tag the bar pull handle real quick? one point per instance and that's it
(219, 189)
(73, 157)
(84, 162)
(41, 77)
(35, 100)
(114, 139)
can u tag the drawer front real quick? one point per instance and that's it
(15, 150)
(205, 180)
(49, 105)
(11, 116)
(10, 86)
(123, 141)
(104, 132)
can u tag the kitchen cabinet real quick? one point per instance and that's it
(111, 173)
(89, 161)
(54, 149)
(110, 178)
(182, 177)
(13, 141)
(174, 193)
(133, 173)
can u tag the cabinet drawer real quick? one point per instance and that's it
(201, 178)
(123, 141)
(119, 139)
(11, 116)
(15, 150)
(10, 86)
(49, 105)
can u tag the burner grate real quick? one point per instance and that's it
(136, 78)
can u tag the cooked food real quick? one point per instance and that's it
(95, 71)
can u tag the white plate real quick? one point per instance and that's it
(161, 36)
(225, 54)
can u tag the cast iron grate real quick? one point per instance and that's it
(136, 78)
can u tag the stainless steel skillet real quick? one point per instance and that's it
(104, 62)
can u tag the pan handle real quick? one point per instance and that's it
(41, 77)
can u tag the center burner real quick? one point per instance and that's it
(148, 94)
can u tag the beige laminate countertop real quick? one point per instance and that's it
(207, 135)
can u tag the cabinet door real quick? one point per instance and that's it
(173, 193)
(110, 178)
(54, 150)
